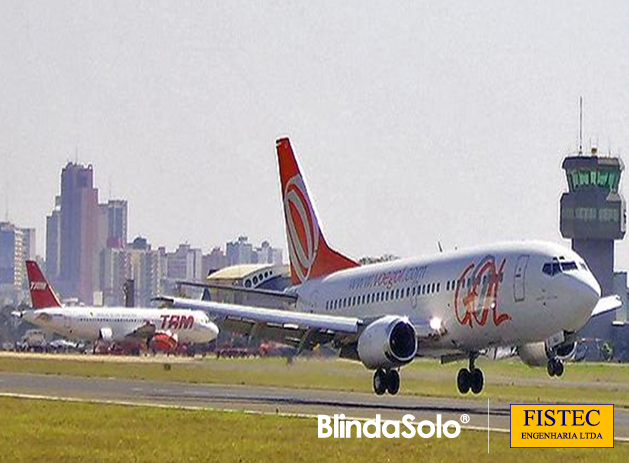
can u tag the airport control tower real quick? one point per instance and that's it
(593, 215)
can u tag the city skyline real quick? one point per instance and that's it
(409, 123)
(41, 246)
(88, 255)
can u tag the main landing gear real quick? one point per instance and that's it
(470, 379)
(386, 381)
(555, 367)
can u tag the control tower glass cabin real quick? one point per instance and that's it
(593, 212)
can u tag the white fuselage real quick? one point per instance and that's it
(499, 295)
(88, 323)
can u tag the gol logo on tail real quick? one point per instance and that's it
(302, 228)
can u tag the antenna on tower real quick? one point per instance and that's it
(6, 204)
(580, 125)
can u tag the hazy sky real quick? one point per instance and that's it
(414, 121)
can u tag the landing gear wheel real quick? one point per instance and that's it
(463, 380)
(393, 382)
(550, 367)
(380, 382)
(477, 381)
(555, 367)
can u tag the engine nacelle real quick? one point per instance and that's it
(537, 354)
(106, 334)
(164, 341)
(388, 342)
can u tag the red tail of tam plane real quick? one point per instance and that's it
(310, 255)
(42, 295)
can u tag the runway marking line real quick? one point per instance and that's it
(212, 409)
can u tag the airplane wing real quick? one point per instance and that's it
(273, 316)
(144, 332)
(607, 304)
(301, 329)
(277, 295)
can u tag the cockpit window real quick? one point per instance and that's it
(568, 266)
(555, 267)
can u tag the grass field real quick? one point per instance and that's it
(507, 380)
(38, 430)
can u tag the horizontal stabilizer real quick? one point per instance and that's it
(278, 295)
(607, 304)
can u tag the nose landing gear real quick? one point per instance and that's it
(386, 381)
(555, 367)
(470, 379)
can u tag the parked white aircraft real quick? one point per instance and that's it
(161, 329)
(532, 295)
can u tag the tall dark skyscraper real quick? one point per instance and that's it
(78, 232)
(116, 223)
(53, 243)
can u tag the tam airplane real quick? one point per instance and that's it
(530, 297)
(162, 329)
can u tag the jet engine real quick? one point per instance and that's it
(164, 341)
(537, 354)
(106, 334)
(388, 342)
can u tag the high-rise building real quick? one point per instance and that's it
(11, 257)
(112, 234)
(185, 263)
(116, 223)
(114, 270)
(145, 269)
(242, 252)
(267, 254)
(29, 244)
(78, 232)
(213, 261)
(53, 243)
(239, 251)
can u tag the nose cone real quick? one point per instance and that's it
(585, 294)
(211, 330)
(590, 293)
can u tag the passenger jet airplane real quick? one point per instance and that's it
(160, 329)
(529, 296)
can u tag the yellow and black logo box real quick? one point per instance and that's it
(562, 425)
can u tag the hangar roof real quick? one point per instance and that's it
(236, 272)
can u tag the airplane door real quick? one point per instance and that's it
(519, 278)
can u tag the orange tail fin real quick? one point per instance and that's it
(42, 295)
(310, 255)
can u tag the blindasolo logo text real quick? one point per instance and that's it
(562, 425)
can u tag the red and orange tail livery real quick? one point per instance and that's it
(42, 295)
(310, 255)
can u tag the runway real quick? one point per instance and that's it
(271, 400)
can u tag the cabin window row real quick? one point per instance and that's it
(98, 319)
(400, 293)
(469, 282)
(384, 296)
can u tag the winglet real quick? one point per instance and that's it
(310, 256)
(42, 295)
